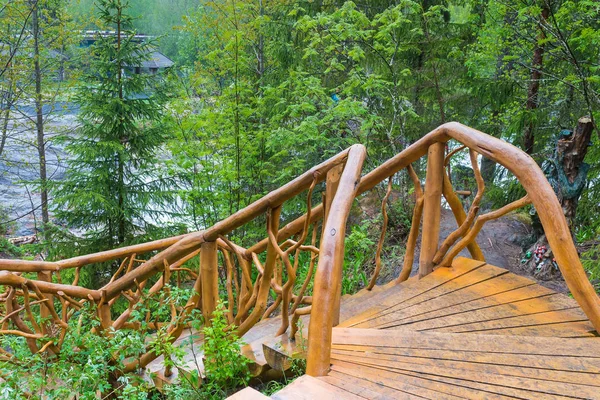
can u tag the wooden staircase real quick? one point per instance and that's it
(463, 329)
(269, 355)
(469, 331)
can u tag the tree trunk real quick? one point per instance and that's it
(39, 122)
(570, 153)
(570, 175)
(120, 168)
(6, 119)
(534, 84)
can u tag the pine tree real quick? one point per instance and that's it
(113, 189)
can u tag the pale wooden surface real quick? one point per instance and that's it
(471, 331)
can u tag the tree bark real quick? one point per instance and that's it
(39, 104)
(570, 153)
(534, 84)
(123, 139)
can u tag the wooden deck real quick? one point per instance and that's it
(430, 339)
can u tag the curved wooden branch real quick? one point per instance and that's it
(311, 268)
(10, 279)
(229, 285)
(479, 222)
(452, 153)
(464, 227)
(264, 281)
(297, 314)
(382, 236)
(411, 243)
(459, 215)
(131, 260)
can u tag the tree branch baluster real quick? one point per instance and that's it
(382, 236)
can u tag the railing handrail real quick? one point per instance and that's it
(274, 198)
(513, 159)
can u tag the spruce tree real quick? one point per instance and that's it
(113, 189)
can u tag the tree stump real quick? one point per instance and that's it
(567, 173)
(571, 150)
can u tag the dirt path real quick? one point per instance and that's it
(500, 240)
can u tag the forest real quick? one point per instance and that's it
(103, 147)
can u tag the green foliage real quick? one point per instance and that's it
(359, 251)
(591, 263)
(225, 366)
(226, 369)
(113, 189)
(85, 365)
(9, 249)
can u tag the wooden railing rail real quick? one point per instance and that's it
(437, 183)
(247, 297)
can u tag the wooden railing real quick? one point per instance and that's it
(249, 274)
(428, 208)
(157, 264)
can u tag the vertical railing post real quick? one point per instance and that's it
(105, 315)
(328, 276)
(270, 263)
(210, 279)
(331, 185)
(434, 181)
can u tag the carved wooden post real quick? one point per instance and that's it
(105, 317)
(329, 270)
(432, 208)
(332, 183)
(210, 279)
(270, 263)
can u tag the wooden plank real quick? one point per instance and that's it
(363, 388)
(441, 296)
(405, 291)
(545, 319)
(503, 385)
(397, 380)
(381, 391)
(492, 389)
(465, 300)
(382, 358)
(453, 341)
(482, 282)
(579, 365)
(581, 329)
(483, 316)
(308, 388)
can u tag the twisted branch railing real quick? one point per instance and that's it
(246, 276)
(427, 208)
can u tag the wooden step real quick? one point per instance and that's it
(281, 351)
(309, 388)
(471, 299)
(451, 365)
(485, 300)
